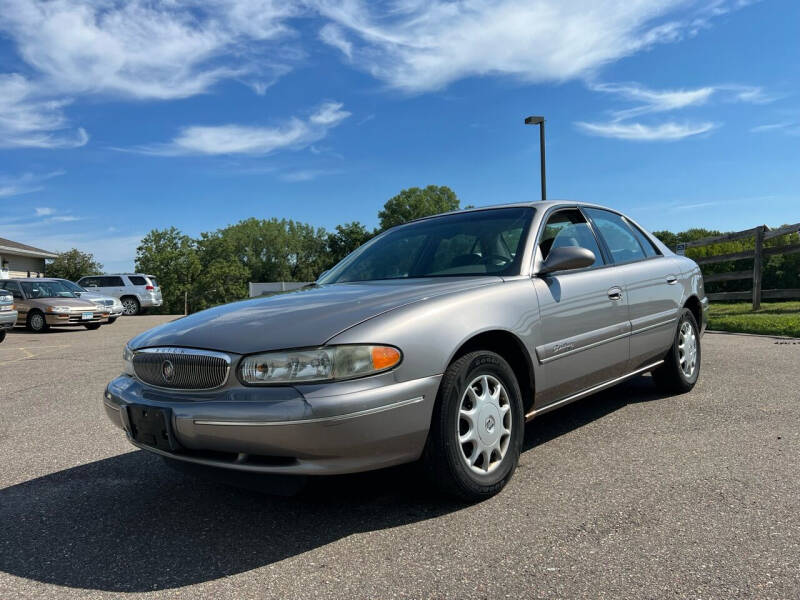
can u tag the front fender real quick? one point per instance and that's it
(430, 332)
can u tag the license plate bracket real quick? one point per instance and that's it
(152, 426)
(87, 316)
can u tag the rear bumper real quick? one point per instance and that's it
(281, 430)
(148, 302)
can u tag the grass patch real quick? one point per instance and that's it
(773, 318)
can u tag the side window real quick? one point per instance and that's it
(618, 237)
(136, 280)
(111, 282)
(88, 282)
(13, 287)
(644, 241)
(569, 228)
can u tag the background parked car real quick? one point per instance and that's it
(8, 316)
(136, 291)
(113, 305)
(44, 303)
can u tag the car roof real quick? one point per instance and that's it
(539, 204)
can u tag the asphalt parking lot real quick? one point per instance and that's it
(628, 494)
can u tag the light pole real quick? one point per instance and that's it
(540, 122)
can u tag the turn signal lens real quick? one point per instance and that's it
(384, 357)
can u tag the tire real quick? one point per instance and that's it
(36, 322)
(2, 336)
(131, 305)
(92, 326)
(454, 467)
(681, 366)
(111, 320)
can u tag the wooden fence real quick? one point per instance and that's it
(761, 234)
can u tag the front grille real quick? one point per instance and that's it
(181, 368)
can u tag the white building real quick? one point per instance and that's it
(20, 260)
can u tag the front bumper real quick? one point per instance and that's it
(8, 318)
(309, 430)
(75, 318)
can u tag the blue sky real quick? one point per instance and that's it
(119, 117)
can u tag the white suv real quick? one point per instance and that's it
(136, 291)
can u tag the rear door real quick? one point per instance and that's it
(584, 326)
(112, 285)
(654, 298)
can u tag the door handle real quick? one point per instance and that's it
(672, 280)
(615, 293)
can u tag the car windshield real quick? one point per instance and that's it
(45, 289)
(485, 242)
(74, 287)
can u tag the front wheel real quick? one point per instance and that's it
(681, 366)
(92, 326)
(477, 428)
(111, 320)
(36, 322)
(2, 335)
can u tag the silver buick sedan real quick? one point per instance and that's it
(435, 341)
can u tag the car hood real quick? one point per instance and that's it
(71, 302)
(304, 318)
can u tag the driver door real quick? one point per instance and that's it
(584, 325)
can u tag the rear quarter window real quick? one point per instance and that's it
(136, 280)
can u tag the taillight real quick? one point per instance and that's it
(149, 288)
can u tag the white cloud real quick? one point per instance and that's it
(143, 49)
(649, 133)
(44, 211)
(307, 174)
(334, 36)
(293, 134)
(771, 127)
(27, 119)
(651, 101)
(654, 100)
(421, 46)
(25, 184)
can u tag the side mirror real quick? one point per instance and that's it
(566, 258)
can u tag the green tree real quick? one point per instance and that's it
(345, 239)
(415, 203)
(172, 257)
(73, 264)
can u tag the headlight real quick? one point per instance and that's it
(330, 363)
(58, 309)
(127, 358)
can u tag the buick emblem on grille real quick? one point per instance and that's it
(167, 371)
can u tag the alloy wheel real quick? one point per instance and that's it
(130, 306)
(484, 424)
(687, 349)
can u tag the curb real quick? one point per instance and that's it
(759, 335)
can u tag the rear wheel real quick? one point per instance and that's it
(477, 428)
(92, 326)
(36, 321)
(130, 305)
(681, 366)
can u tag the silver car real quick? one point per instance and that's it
(435, 341)
(8, 313)
(136, 291)
(112, 305)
